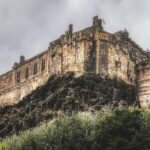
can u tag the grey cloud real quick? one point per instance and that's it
(28, 26)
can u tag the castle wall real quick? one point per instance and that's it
(123, 57)
(73, 52)
(144, 84)
(15, 89)
(113, 58)
(90, 50)
(7, 81)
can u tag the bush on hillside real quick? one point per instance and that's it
(121, 129)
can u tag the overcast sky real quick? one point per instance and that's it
(27, 26)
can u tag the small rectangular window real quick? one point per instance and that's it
(18, 77)
(117, 57)
(78, 54)
(74, 43)
(68, 60)
(35, 69)
(43, 65)
(27, 73)
(128, 66)
(65, 46)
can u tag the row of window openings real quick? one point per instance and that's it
(77, 57)
(76, 44)
(68, 60)
(35, 71)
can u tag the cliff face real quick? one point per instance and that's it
(65, 94)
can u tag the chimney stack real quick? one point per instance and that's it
(97, 23)
(71, 28)
(22, 59)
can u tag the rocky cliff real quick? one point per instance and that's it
(65, 94)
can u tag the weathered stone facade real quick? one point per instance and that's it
(90, 50)
(143, 72)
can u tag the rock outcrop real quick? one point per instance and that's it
(65, 94)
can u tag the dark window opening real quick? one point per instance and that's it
(43, 65)
(18, 77)
(128, 71)
(27, 73)
(128, 65)
(35, 69)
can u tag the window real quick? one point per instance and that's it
(128, 65)
(91, 35)
(43, 65)
(18, 77)
(26, 73)
(73, 36)
(78, 54)
(68, 61)
(118, 62)
(117, 57)
(117, 47)
(65, 39)
(103, 51)
(35, 69)
(74, 43)
(65, 46)
(91, 43)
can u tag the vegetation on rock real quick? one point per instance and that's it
(65, 94)
(120, 129)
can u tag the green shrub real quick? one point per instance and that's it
(121, 129)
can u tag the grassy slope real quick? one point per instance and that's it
(64, 93)
(121, 129)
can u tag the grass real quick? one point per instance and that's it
(120, 129)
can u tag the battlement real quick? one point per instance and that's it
(89, 50)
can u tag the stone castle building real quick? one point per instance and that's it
(89, 50)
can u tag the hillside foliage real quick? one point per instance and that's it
(120, 129)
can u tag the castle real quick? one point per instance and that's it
(90, 50)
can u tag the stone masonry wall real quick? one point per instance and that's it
(144, 84)
(15, 89)
(90, 50)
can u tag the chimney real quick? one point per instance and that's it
(97, 22)
(15, 65)
(22, 59)
(71, 28)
